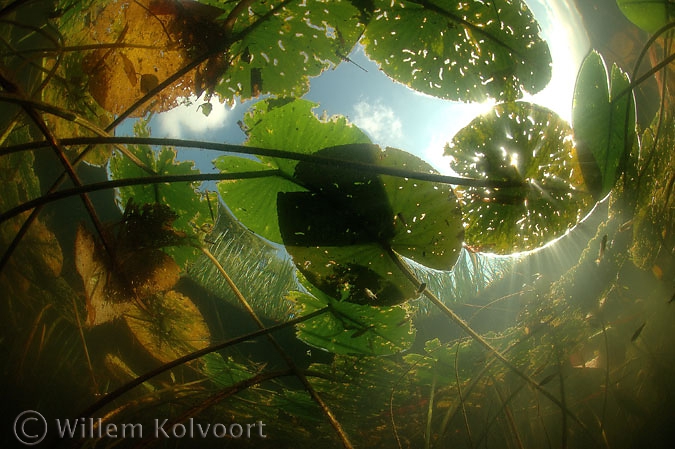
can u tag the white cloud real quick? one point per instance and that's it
(186, 121)
(379, 122)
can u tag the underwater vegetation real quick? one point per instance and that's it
(340, 293)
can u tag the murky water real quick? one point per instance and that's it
(502, 277)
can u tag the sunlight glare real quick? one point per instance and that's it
(567, 39)
(513, 160)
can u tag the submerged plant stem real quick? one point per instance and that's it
(108, 398)
(72, 117)
(430, 412)
(57, 147)
(289, 361)
(270, 152)
(479, 338)
(85, 347)
(160, 179)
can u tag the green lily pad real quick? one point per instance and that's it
(281, 47)
(603, 119)
(468, 51)
(343, 231)
(348, 328)
(532, 147)
(649, 15)
(283, 125)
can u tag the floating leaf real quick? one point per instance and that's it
(282, 46)
(167, 36)
(292, 127)
(340, 233)
(533, 148)
(253, 200)
(466, 51)
(648, 15)
(136, 271)
(603, 119)
(172, 328)
(348, 328)
(331, 219)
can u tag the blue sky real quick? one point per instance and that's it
(390, 113)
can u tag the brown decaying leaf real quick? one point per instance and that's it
(150, 271)
(175, 31)
(137, 284)
(102, 303)
(171, 329)
(38, 258)
(110, 293)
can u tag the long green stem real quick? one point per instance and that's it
(258, 151)
(332, 419)
(509, 415)
(73, 48)
(146, 180)
(60, 153)
(479, 338)
(430, 412)
(660, 32)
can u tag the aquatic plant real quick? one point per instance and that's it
(302, 293)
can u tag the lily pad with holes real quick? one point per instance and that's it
(281, 46)
(468, 51)
(344, 231)
(528, 145)
(342, 226)
(283, 125)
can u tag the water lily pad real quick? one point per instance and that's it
(603, 119)
(533, 148)
(467, 51)
(348, 328)
(343, 231)
(171, 327)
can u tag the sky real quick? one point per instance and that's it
(391, 113)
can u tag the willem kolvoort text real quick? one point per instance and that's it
(94, 428)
